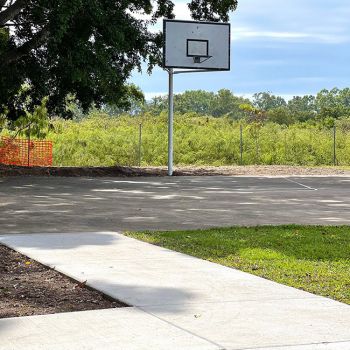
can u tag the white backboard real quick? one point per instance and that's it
(196, 45)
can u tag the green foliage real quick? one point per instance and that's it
(33, 124)
(227, 104)
(323, 109)
(315, 259)
(266, 101)
(253, 114)
(281, 115)
(222, 103)
(132, 102)
(82, 48)
(101, 140)
(4, 38)
(333, 104)
(302, 108)
(294, 133)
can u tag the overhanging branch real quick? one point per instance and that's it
(2, 3)
(37, 40)
(12, 11)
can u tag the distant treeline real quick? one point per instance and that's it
(325, 107)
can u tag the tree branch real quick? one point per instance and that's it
(2, 3)
(23, 50)
(12, 11)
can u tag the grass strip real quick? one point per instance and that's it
(312, 258)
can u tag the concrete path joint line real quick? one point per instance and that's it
(184, 330)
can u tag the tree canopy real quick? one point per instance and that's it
(222, 103)
(324, 107)
(82, 48)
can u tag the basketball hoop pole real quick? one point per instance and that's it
(171, 73)
(170, 121)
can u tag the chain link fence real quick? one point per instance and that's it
(197, 141)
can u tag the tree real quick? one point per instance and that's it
(281, 115)
(253, 115)
(82, 48)
(197, 101)
(157, 105)
(132, 103)
(266, 101)
(334, 104)
(222, 103)
(302, 108)
(227, 104)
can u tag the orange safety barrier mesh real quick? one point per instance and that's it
(23, 152)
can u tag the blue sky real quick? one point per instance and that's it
(288, 47)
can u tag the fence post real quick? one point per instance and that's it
(285, 147)
(140, 142)
(257, 151)
(241, 143)
(28, 150)
(334, 145)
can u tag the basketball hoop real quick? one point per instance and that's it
(195, 47)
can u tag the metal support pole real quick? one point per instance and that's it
(241, 143)
(171, 73)
(170, 122)
(334, 145)
(140, 143)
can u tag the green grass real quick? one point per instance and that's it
(312, 258)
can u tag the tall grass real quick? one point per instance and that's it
(102, 140)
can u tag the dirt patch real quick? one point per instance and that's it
(261, 170)
(121, 171)
(29, 288)
(8, 170)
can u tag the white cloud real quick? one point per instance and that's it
(181, 11)
(150, 95)
(242, 33)
(286, 97)
(292, 20)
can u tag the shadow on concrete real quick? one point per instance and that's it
(172, 300)
(61, 240)
(131, 292)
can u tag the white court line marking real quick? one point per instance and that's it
(300, 184)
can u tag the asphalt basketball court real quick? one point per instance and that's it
(39, 204)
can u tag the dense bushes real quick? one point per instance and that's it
(102, 140)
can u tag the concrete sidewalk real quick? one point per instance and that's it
(179, 302)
